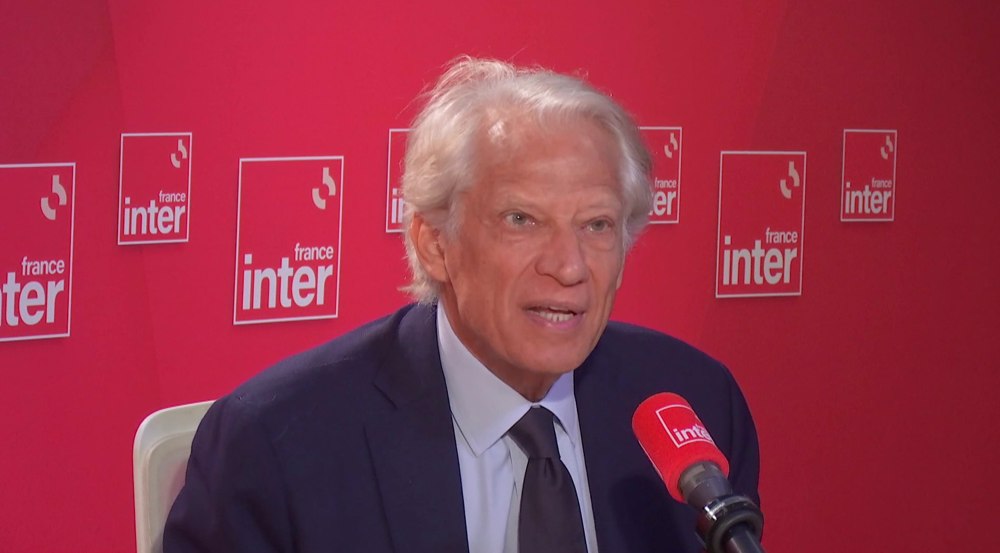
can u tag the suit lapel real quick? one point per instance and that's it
(598, 420)
(412, 444)
(631, 508)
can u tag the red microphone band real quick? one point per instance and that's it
(674, 438)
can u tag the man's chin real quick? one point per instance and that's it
(558, 367)
(559, 354)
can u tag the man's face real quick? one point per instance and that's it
(530, 276)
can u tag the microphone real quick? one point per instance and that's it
(694, 470)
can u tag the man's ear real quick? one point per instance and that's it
(426, 242)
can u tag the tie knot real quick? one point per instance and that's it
(536, 434)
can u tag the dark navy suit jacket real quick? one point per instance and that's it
(350, 447)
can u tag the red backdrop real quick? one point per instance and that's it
(873, 391)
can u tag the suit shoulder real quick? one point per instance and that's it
(331, 371)
(633, 363)
(645, 344)
(650, 361)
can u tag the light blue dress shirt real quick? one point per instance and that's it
(492, 465)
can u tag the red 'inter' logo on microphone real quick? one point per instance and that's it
(682, 425)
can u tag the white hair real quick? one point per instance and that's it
(477, 96)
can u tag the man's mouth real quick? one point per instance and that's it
(554, 314)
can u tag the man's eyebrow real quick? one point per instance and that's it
(519, 200)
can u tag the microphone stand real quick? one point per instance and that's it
(727, 523)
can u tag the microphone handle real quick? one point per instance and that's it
(731, 524)
(742, 540)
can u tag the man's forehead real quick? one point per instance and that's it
(519, 147)
(512, 189)
(508, 125)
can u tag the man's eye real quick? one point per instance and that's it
(600, 225)
(517, 219)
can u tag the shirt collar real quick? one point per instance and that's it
(484, 407)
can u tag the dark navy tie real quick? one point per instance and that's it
(549, 520)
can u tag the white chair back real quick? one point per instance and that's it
(160, 455)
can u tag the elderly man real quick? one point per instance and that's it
(494, 415)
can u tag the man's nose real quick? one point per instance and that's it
(562, 257)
